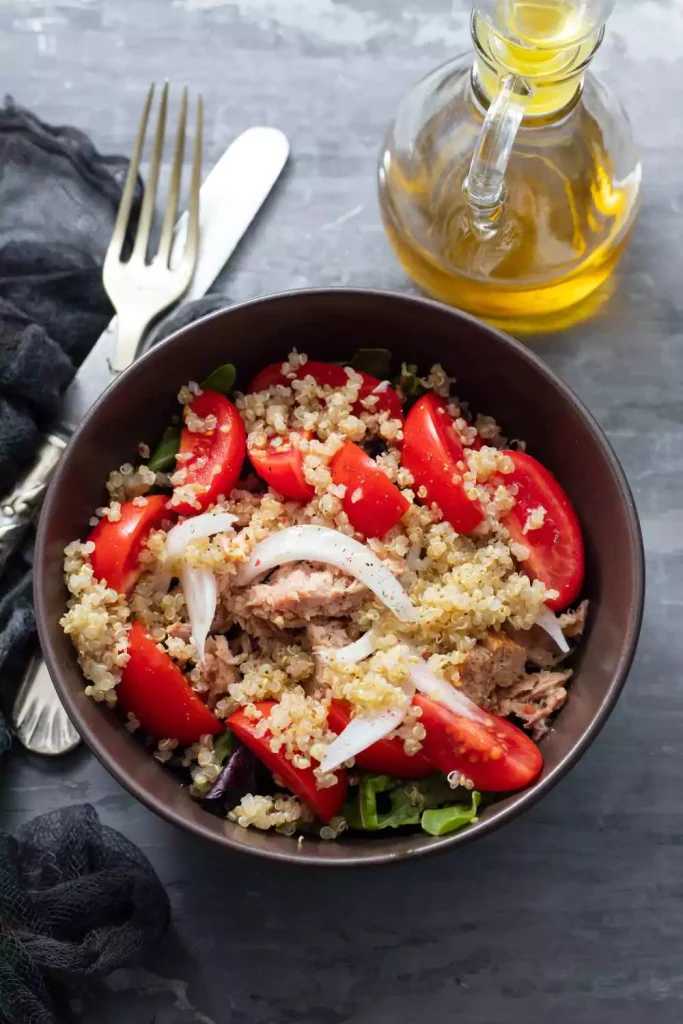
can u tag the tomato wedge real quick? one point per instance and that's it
(556, 547)
(118, 544)
(385, 757)
(324, 373)
(155, 690)
(331, 375)
(301, 781)
(373, 504)
(283, 469)
(496, 755)
(216, 456)
(431, 452)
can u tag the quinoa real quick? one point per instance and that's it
(129, 482)
(207, 768)
(411, 731)
(535, 519)
(165, 748)
(279, 812)
(97, 622)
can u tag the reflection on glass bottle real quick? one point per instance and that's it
(509, 188)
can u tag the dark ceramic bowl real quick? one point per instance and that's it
(497, 376)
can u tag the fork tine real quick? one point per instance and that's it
(192, 243)
(123, 215)
(166, 239)
(147, 212)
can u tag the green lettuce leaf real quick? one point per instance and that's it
(221, 380)
(222, 746)
(439, 821)
(364, 813)
(163, 457)
(383, 802)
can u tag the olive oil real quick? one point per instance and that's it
(571, 182)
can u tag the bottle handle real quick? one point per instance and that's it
(484, 187)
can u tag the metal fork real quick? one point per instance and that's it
(140, 291)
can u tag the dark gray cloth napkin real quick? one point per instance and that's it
(77, 900)
(58, 203)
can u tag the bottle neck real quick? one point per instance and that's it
(554, 75)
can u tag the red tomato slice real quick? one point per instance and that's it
(323, 373)
(385, 757)
(282, 468)
(118, 544)
(331, 375)
(495, 754)
(380, 504)
(301, 781)
(431, 452)
(388, 399)
(155, 690)
(217, 456)
(556, 548)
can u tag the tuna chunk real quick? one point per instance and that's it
(325, 635)
(534, 699)
(296, 594)
(507, 658)
(220, 670)
(497, 662)
(572, 623)
(541, 650)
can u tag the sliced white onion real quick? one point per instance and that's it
(320, 544)
(351, 654)
(201, 595)
(364, 730)
(443, 693)
(547, 620)
(198, 583)
(205, 525)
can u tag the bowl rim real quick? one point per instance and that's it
(525, 798)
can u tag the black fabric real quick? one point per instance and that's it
(58, 203)
(77, 901)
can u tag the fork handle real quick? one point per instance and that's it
(130, 327)
(18, 509)
(40, 722)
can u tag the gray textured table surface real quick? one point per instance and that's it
(574, 912)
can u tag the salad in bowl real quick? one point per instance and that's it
(336, 602)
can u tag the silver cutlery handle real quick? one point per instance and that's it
(18, 509)
(40, 721)
(131, 325)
